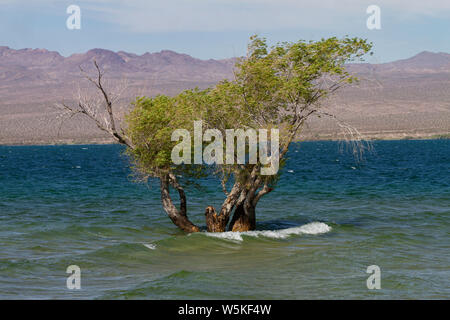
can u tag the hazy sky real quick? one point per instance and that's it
(220, 28)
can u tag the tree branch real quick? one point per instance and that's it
(108, 124)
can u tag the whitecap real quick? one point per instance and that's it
(151, 246)
(310, 228)
(229, 235)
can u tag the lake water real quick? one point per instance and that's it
(328, 220)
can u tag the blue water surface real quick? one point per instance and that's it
(78, 205)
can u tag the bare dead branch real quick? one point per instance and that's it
(98, 109)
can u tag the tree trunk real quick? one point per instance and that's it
(178, 217)
(244, 219)
(215, 222)
(218, 222)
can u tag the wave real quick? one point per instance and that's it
(310, 228)
(151, 246)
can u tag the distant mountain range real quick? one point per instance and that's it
(404, 98)
(43, 65)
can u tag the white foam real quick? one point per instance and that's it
(151, 246)
(229, 235)
(310, 228)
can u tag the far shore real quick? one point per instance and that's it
(324, 137)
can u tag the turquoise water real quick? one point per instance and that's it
(329, 219)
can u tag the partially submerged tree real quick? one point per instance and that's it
(274, 88)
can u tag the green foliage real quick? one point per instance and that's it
(273, 83)
(150, 125)
(276, 87)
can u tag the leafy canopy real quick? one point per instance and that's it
(274, 87)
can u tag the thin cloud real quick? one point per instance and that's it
(145, 16)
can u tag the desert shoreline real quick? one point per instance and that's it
(371, 137)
